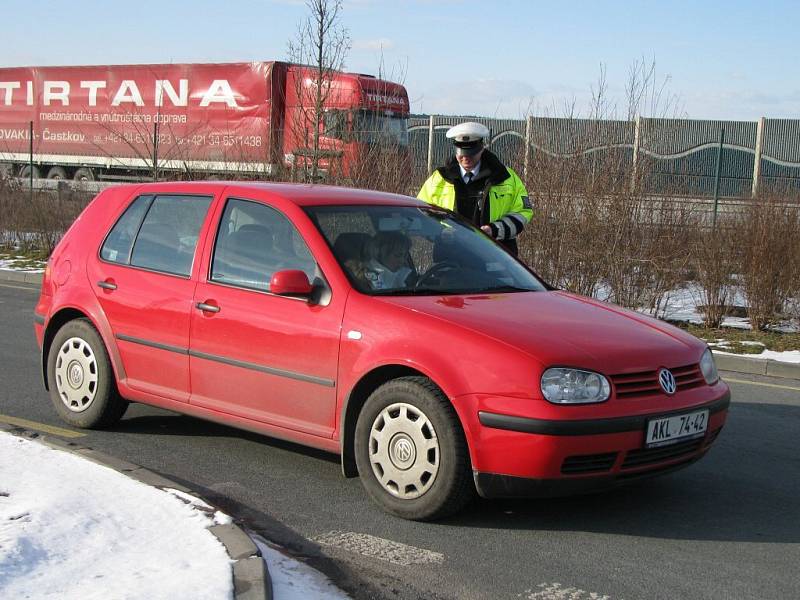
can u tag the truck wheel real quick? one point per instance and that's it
(25, 172)
(57, 173)
(83, 174)
(410, 451)
(80, 378)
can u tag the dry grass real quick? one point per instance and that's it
(771, 340)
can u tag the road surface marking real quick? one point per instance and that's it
(67, 433)
(375, 547)
(557, 591)
(772, 385)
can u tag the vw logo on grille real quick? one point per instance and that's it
(667, 381)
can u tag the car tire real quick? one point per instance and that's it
(80, 378)
(411, 453)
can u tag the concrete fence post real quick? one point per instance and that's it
(430, 144)
(634, 173)
(757, 158)
(527, 160)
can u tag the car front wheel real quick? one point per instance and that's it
(410, 451)
(81, 379)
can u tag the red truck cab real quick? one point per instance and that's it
(361, 114)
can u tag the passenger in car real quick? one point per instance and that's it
(388, 263)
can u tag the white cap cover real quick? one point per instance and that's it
(467, 133)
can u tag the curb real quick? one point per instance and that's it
(757, 366)
(21, 276)
(251, 580)
(725, 362)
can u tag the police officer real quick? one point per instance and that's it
(476, 185)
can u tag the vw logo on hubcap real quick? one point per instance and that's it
(667, 381)
(75, 375)
(402, 451)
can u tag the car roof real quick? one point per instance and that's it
(302, 194)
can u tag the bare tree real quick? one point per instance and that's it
(322, 44)
(647, 93)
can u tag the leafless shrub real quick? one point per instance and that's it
(644, 249)
(595, 232)
(35, 222)
(382, 167)
(715, 260)
(770, 237)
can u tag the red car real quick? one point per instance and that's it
(369, 325)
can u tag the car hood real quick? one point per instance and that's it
(558, 328)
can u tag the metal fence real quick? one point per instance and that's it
(674, 156)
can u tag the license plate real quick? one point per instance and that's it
(661, 432)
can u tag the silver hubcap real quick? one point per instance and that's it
(76, 374)
(404, 451)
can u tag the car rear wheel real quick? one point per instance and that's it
(81, 379)
(410, 451)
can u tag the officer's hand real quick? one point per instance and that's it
(487, 230)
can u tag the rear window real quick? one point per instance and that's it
(158, 233)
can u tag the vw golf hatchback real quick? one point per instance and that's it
(369, 325)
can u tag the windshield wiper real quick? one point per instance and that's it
(408, 292)
(503, 288)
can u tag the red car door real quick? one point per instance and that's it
(254, 354)
(142, 277)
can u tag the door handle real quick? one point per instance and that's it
(107, 285)
(207, 307)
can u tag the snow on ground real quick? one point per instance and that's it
(294, 580)
(790, 356)
(681, 305)
(73, 529)
(12, 264)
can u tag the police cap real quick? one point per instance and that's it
(468, 137)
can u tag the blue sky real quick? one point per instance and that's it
(727, 60)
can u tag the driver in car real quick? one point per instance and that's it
(388, 264)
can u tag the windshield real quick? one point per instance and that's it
(408, 250)
(374, 128)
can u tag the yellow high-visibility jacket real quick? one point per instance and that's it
(505, 206)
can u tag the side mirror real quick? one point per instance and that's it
(291, 282)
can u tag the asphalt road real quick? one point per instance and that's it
(726, 527)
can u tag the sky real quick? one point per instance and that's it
(712, 59)
(71, 529)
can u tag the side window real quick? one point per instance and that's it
(253, 242)
(118, 244)
(335, 123)
(168, 236)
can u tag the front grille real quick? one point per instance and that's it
(588, 463)
(645, 383)
(648, 456)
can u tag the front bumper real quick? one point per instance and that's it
(494, 485)
(514, 456)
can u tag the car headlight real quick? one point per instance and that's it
(709, 368)
(574, 386)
